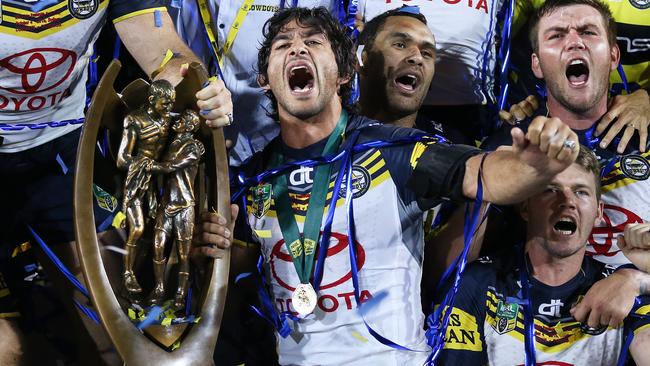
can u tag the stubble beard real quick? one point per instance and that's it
(577, 107)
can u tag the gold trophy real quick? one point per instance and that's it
(161, 159)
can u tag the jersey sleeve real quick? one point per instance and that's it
(119, 10)
(639, 318)
(438, 171)
(464, 337)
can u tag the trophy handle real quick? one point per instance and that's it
(135, 349)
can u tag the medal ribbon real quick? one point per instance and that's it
(302, 248)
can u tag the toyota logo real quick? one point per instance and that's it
(40, 69)
(279, 254)
(602, 238)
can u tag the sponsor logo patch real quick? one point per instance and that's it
(360, 182)
(635, 166)
(83, 9)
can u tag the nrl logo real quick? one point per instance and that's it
(506, 317)
(261, 199)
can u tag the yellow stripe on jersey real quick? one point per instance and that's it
(8, 25)
(6, 7)
(417, 152)
(462, 332)
(641, 328)
(139, 12)
(643, 310)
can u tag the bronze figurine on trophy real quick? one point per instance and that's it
(155, 139)
(144, 140)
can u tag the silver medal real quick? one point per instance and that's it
(303, 299)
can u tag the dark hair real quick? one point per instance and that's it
(371, 28)
(588, 161)
(550, 6)
(321, 19)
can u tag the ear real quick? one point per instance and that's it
(263, 82)
(599, 213)
(523, 210)
(534, 65)
(344, 80)
(615, 54)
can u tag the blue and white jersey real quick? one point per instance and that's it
(389, 245)
(487, 326)
(44, 56)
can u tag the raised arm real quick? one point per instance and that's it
(511, 175)
(149, 43)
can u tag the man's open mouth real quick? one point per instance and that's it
(301, 79)
(407, 82)
(577, 72)
(565, 226)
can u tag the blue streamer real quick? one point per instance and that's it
(352, 249)
(157, 19)
(108, 221)
(39, 126)
(247, 182)
(622, 358)
(87, 311)
(294, 3)
(57, 262)
(268, 311)
(327, 228)
(66, 272)
(621, 73)
(437, 327)
(152, 317)
(529, 320)
(353, 9)
(504, 53)
(64, 167)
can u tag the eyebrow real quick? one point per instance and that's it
(407, 36)
(573, 186)
(579, 28)
(287, 35)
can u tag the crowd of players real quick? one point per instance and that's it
(560, 286)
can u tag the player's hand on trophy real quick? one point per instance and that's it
(549, 146)
(213, 234)
(215, 104)
(635, 244)
(520, 111)
(609, 300)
